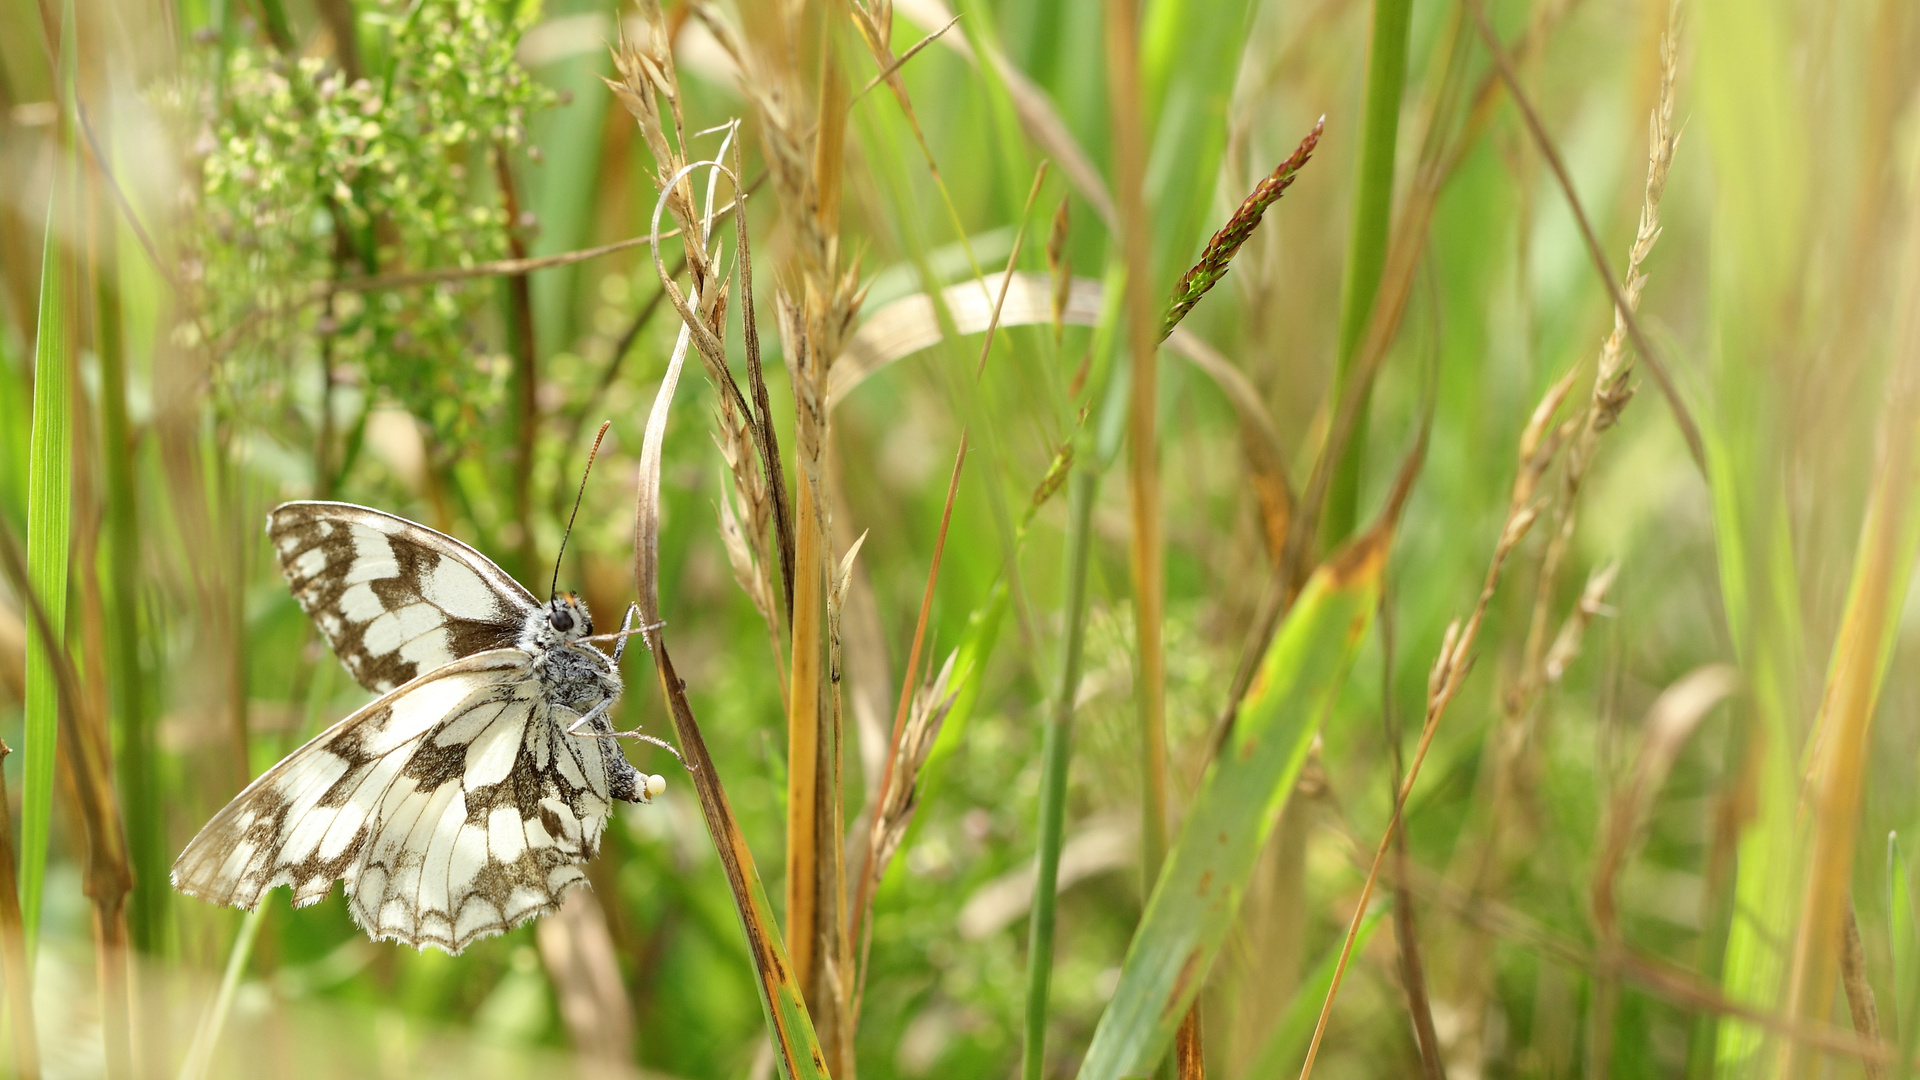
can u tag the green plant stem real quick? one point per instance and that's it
(128, 700)
(1054, 754)
(1367, 245)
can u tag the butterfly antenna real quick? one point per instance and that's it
(554, 589)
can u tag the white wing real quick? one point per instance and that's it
(394, 598)
(456, 807)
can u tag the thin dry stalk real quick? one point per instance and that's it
(874, 20)
(1146, 557)
(1540, 443)
(578, 951)
(1624, 311)
(875, 865)
(1413, 978)
(1612, 371)
(1686, 989)
(13, 946)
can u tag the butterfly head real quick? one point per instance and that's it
(566, 619)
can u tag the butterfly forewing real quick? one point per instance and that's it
(454, 808)
(395, 599)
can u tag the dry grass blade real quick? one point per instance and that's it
(1624, 311)
(1672, 719)
(1670, 722)
(1539, 444)
(1220, 250)
(889, 74)
(1882, 572)
(1145, 555)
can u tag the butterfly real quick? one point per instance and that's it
(466, 798)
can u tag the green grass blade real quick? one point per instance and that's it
(1198, 894)
(1367, 245)
(49, 510)
(1054, 755)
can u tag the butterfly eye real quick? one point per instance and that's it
(561, 620)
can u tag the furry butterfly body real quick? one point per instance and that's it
(466, 798)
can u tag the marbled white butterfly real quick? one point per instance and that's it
(465, 799)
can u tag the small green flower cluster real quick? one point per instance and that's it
(307, 177)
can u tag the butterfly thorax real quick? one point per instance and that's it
(573, 673)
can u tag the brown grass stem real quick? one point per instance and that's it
(107, 877)
(526, 371)
(870, 871)
(1406, 931)
(1624, 311)
(1145, 557)
(13, 947)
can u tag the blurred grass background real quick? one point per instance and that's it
(177, 193)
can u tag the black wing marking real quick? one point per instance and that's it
(394, 598)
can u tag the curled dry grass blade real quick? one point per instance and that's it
(1670, 722)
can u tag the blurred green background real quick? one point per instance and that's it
(231, 159)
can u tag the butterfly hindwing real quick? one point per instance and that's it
(395, 599)
(454, 808)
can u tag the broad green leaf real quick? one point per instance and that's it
(1199, 891)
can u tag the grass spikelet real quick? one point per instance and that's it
(1220, 250)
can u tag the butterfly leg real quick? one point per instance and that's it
(627, 630)
(599, 710)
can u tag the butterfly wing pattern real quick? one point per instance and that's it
(455, 806)
(395, 599)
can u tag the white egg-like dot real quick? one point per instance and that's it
(655, 785)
